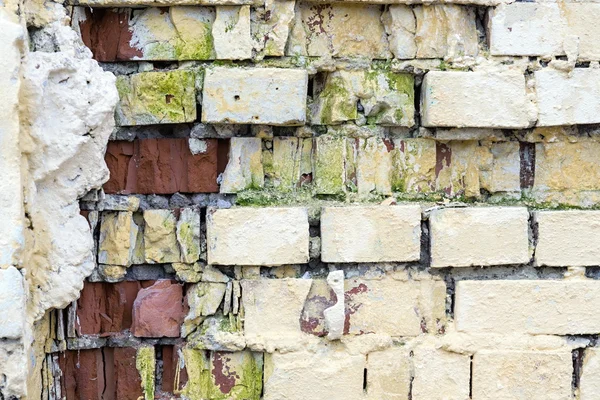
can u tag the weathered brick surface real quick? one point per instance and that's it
(255, 96)
(542, 375)
(440, 375)
(265, 236)
(156, 98)
(567, 238)
(546, 307)
(526, 29)
(371, 234)
(462, 237)
(589, 383)
(327, 373)
(388, 374)
(456, 99)
(567, 99)
(162, 166)
(158, 310)
(336, 144)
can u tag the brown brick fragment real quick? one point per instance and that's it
(106, 32)
(158, 311)
(118, 160)
(162, 166)
(128, 384)
(90, 308)
(83, 374)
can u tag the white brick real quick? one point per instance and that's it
(255, 96)
(257, 236)
(528, 306)
(371, 233)
(526, 29)
(394, 308)
(440, 375)
(475, 99)
(12, 303)
(568, 98)
(388, 374)
(272, 307)
(329, 373)
(512, 375)
(589, 384)
(568, 238)
(582, 20)
(480, 236)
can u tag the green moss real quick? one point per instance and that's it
(336, 102)
(201, 48)
(245, 367)
(329, 165)
(166, 96)
(145, 363)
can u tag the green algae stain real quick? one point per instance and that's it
(146, 365)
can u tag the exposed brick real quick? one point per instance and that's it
(462, 237)
(456, 99)
(90, 308)
(105, 308)
(567, 238)
(105, 31)
(371, 234)
(257, 236)
(158, 310)
(531, 375)
(83, 374)
(127, 381)
(162, 166)
(544, 307)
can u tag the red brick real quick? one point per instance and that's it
(158, 311)
(119, 306)
(83, 374)
(105, 31)
(162, 166)
(90, 308)
(128, 383)
(105, 308)
(118, 158)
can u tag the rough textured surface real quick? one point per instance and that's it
(156, 98)
(440, 375)
(522, 375)
(566, 99)
(158, 310)
(567, 238)
(67, 118)
(266, 236)
(544, 309)
(461, 237)
(589, 384)
(453, 99)
(330, 372)
(371, 234)
(12, 302)
(254, 96)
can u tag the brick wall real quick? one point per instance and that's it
(366, 200)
